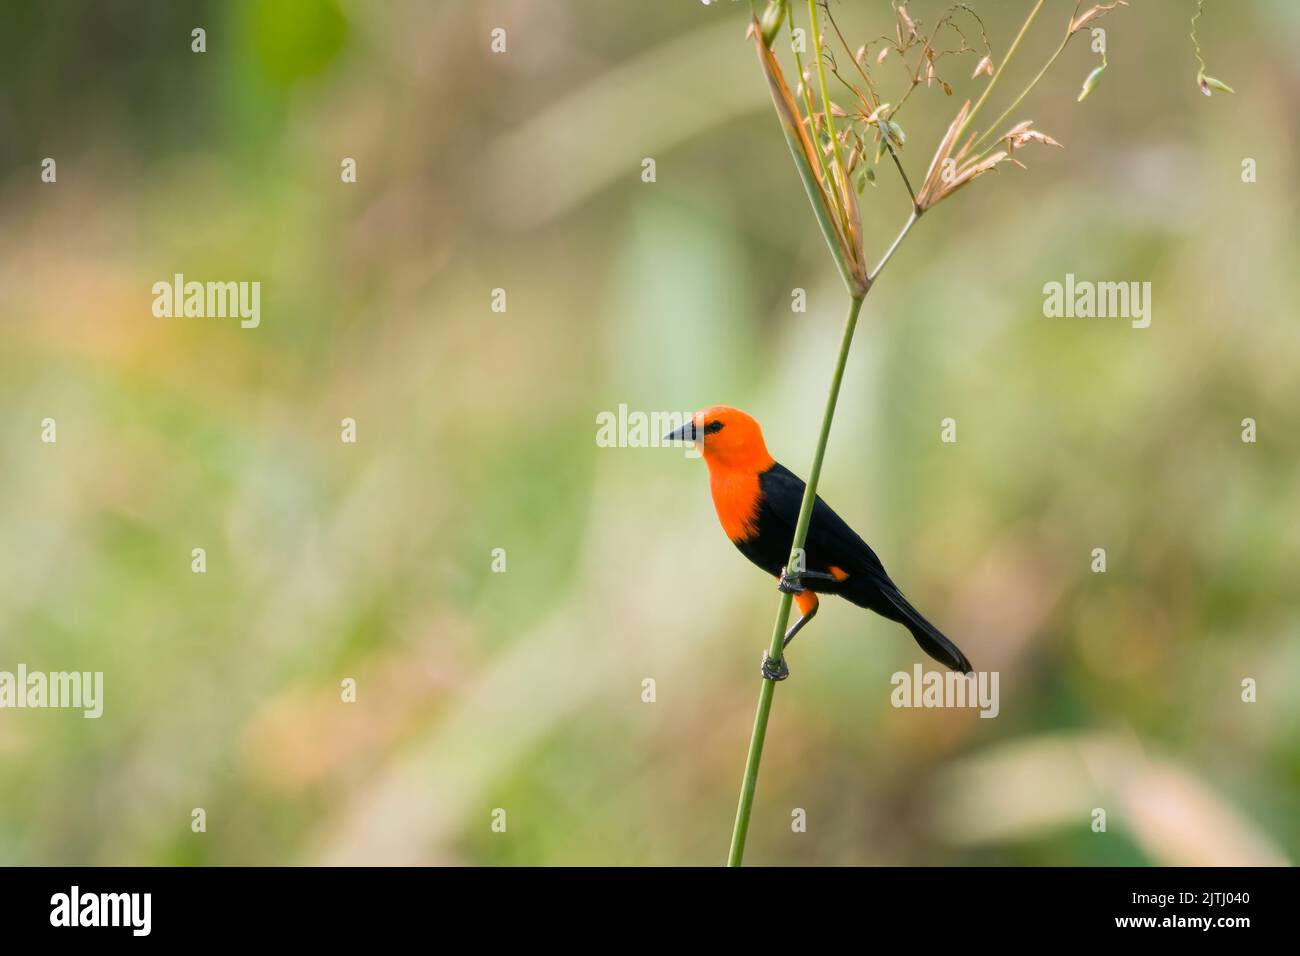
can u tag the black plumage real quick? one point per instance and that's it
(833, 548)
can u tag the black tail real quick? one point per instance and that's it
(878, 593)
(930, 638)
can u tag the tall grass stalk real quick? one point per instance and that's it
(826, 179)
(750, 781)
(857, 293)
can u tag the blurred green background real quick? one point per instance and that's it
(476, 430)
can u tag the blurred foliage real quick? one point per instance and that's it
(522, 690)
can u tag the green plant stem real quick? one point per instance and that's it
(893, 246)
(749, 782)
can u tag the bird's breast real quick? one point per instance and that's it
(736, 498)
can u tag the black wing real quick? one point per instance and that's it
(830, 542)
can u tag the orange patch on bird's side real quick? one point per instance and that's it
(839, 574)
(806, 601)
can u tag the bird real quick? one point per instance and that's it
(758, 500)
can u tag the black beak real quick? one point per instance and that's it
(687, 432)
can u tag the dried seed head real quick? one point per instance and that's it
(908, 26)
(880, 57)
(805, 83)
(1021, 134)
(1092, 13)
(1034, 136)
(935, 185)
(951, 168)
(984, 66)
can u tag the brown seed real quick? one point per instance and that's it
(1092, 12)
(906, 21)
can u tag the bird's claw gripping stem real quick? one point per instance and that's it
(774, 670)
(790, 583)
(793, 583)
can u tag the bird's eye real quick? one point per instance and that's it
(713, 427)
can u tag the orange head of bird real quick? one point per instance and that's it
(728, 438)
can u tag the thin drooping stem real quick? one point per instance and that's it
(749, 782)
(1196, 44)
(899, 163)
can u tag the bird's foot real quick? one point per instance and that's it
(790, 583)
(793, 583)
(774, 670)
